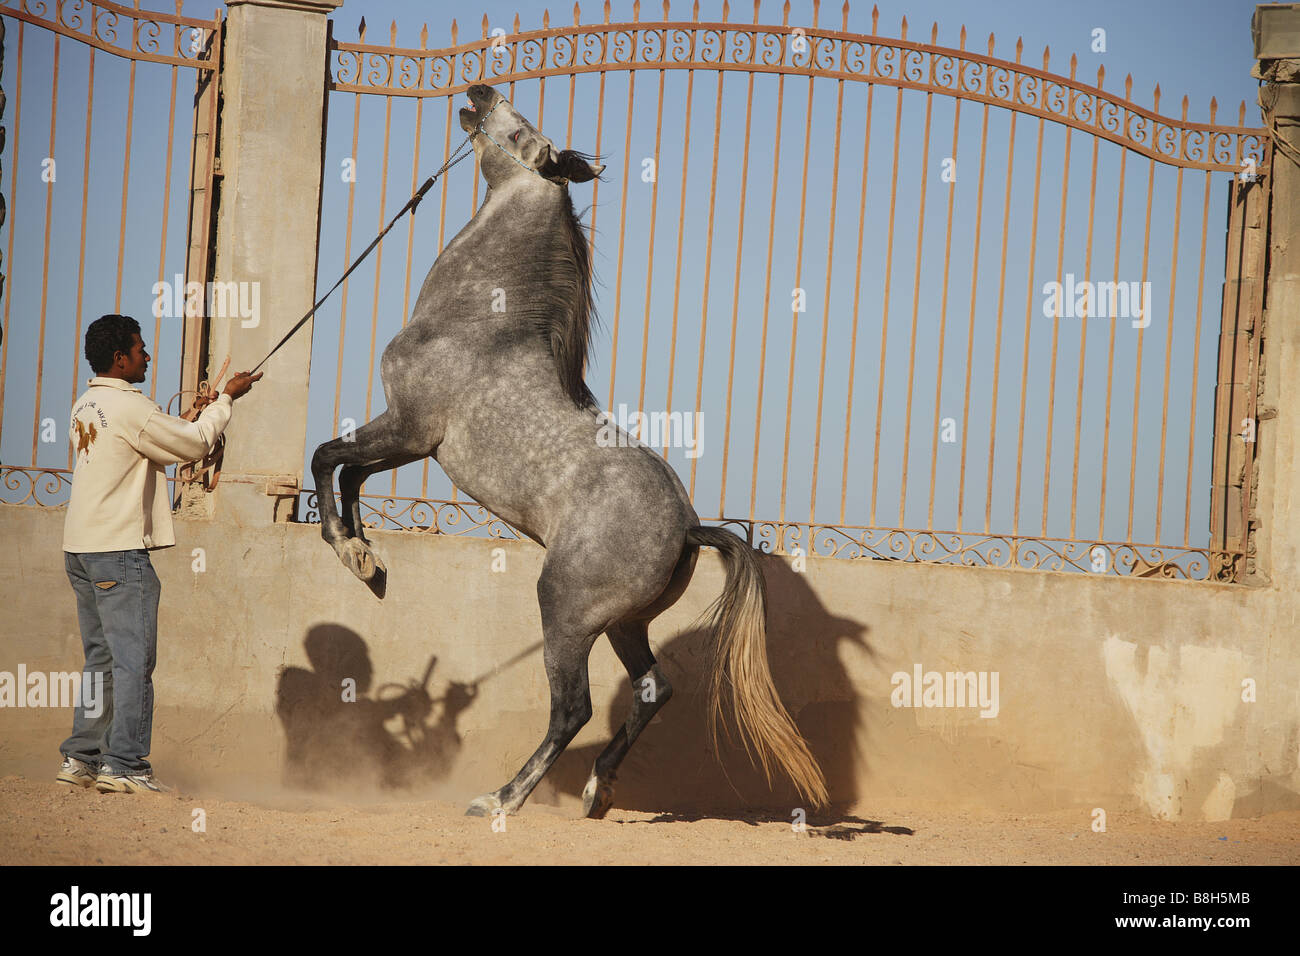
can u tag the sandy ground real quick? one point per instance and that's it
(44, 823)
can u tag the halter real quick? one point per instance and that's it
(479, 129)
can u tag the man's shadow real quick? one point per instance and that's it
(672, 768)
(341, 738)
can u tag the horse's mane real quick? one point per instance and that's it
(567, 310)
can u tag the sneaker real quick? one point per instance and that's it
(77, 773)
(129, 783)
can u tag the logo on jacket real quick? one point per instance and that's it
(85, 436)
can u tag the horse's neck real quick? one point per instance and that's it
(518, 224)
(524, 209)
(521, 243)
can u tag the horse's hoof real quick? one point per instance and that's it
(358, 558)
(483, 806)
(597, 798)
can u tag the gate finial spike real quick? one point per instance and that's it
(454, 31)
(392, 33)
(607, 11)
(934, 32)
(1156, 97)
(636, 10)
(1074, 64)
(485, 26)
(577, 15)
(1101, 76)
(424, 36)
(844, 17)
(1047, 56)
(1128, 86)
(875, 17)
(361, 29)
(515, 23)
(1241, 114)
(1020, 47)
(1184, 107)
(546, 19)
(990, 44)
(904, 26)
(1214, 108)
(961, 37)
(785, 14)
(726, 10)
(665, 9)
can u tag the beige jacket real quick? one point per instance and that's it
(119, 488)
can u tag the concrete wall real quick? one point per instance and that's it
(1114, 692)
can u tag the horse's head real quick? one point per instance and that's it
(507, 145)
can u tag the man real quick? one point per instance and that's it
(120, 510)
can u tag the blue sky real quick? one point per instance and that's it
(1199, 49)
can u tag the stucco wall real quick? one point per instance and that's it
(1112, 692)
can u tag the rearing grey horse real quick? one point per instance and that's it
(498, 398)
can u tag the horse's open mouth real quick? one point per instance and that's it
(469, 117)
(480, 98)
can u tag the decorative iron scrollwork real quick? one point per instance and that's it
(126, 31)
(805, 51)
(853, 543)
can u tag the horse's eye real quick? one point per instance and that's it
(515, 136)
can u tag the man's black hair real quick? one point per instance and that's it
(108, 335)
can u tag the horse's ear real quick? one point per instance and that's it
(569, 164)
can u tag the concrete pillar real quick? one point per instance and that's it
(1276, 28)
(271, 145)
(2, 145)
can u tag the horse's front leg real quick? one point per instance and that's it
(351, 479)
(376, 446)
(337, 532)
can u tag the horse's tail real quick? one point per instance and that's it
(738, 620)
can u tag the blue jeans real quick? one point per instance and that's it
(117, 606)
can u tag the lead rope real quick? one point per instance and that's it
(411, 203)
(210, 470)
(414, 201)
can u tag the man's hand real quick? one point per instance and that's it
(240, 383)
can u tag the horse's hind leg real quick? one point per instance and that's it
(565, 654)
(570, 626)
(650, 688)
(650, 691)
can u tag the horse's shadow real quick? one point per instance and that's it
(340, 737)
(672, 770)
(848, 828)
